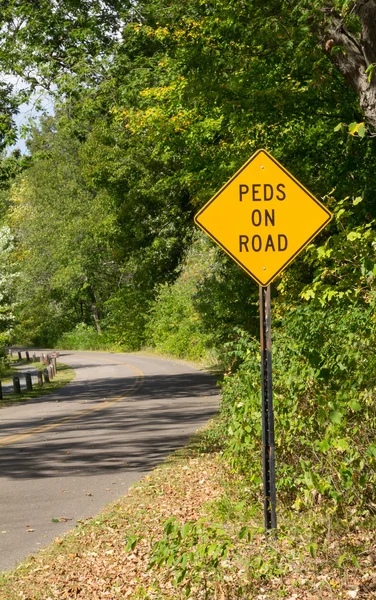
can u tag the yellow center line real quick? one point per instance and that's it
(11, 439)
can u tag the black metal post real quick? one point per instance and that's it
(268, 455)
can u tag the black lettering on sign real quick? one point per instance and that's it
(268, 192)
(282, 242)
(256, 243)
(256, 191)
(256, 218)
(243, 242)
(282, 194)
(269, 244)
(269, 217)
(243, 189)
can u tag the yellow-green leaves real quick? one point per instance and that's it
(357, 129)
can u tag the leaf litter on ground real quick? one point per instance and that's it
(108, 557)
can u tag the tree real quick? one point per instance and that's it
(8, 108)
(44, 40)
(347, 35)
(63, 231)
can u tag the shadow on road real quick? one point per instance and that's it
(134, 434)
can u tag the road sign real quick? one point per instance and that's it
(263, 217)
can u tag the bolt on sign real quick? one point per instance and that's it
(263, 217)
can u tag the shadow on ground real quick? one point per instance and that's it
(134, 434)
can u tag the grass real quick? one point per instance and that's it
(64, 375)
(9, 370)
(318, 554)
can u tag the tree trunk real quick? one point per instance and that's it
(352, 55)
(94, 308)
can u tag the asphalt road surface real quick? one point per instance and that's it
(66, 455)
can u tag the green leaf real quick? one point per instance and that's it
(369, 71)
(340, 212)
(355, 405)
(185, 529)
(336, 416)
(341, 444)
(342, 559)
(353, 235)
(355, 127)
(131, 543)
(313, 549)
(362, 131)
(244, 532)
(355, 561)
(372, 451)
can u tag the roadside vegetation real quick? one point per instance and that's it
(156, 105)
(193, 529)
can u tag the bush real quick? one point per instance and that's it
(174, 326)
(83, 337)
(4, 358)
(324, 378)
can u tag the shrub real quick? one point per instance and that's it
(324, 370)
(174, 326)
(83, 337)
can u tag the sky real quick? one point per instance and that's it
(28, 110)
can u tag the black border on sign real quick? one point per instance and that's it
(197, 216)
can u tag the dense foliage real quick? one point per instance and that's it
(157, 104)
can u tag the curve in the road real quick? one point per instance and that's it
(70, 453)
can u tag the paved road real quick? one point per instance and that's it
(66, 455)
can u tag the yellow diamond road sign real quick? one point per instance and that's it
(263, 217)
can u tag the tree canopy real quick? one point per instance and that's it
(157, 104)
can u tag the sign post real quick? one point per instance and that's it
(268, 455)
(263, 218)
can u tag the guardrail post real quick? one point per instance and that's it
(27, 356)
(50, 372)
(40, 378)
(46, 376)
(29, 383)
(16, 384)
(54, 362)
(41, 357)
(19, 356)
(34, 357)
(1, 391)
